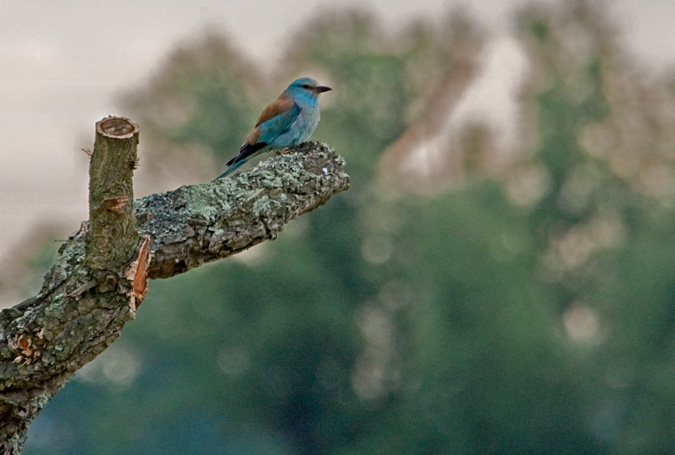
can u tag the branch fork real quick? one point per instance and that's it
(99, 277)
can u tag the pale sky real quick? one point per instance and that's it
(63, 65)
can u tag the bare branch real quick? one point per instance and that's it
(99, 277)
(112, 226)
(201, 223)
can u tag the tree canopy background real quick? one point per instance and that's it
(460, 298)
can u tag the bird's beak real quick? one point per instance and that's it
(322, 88)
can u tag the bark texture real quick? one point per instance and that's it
(99, 276)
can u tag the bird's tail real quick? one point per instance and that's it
(246, 152)
(233, 167)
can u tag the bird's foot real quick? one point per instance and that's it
(283, 151)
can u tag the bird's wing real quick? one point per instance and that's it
(275, 120)
(280, 106)
(245, 151)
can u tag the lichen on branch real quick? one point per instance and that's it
(195, 224)
(99, 276)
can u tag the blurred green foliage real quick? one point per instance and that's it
(493, 318)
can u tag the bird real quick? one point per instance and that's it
(287, 121)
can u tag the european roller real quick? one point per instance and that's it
(287, 121)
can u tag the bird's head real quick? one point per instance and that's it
(308, 86)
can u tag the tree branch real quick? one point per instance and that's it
(99, 276)
(112, 231)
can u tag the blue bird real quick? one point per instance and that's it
(287, 121)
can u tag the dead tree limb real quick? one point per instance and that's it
(99, 276)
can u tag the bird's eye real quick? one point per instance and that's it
(305, 86)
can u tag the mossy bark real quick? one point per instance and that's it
(98, 279)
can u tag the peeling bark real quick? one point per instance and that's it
(99, 276)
